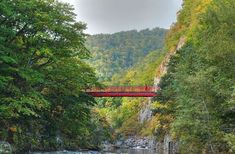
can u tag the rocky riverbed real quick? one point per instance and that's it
(132, 143)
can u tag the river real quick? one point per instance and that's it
(118, 151)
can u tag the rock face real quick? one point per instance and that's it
(132, 142)
(146, 112)
(106, 146)
(137, 142)
(181, 43)
(168, 146)
(162, 70)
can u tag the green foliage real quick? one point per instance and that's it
(115, 53)
(199, 86)
(142, 73)
(122, 113)
(43, 76)
(125, 58)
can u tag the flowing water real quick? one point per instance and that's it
(118, 151)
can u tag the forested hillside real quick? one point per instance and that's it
(125, 58)
(122, 114)
(197, 103)
(142, 73)
(115, 53)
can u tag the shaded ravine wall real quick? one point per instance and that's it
(162, 69)
(146, 112)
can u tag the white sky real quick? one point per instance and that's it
(109, 16)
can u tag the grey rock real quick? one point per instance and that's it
(119, 143)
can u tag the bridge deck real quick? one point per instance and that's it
(121, 94)
(124, 91)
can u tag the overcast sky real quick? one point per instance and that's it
(109, 16)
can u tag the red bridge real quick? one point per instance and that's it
(124, 91)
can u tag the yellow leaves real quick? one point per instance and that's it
(151, 126)
(44, 51)
(47, 51)
(38, 53)
(158, 105)
(131, 126)
(230, 139)
(13, 129)
(45, 91)
(57, 110)
(188, 21)
(159, 123)
(103, 113)
(19, 42)
(131, 74)
(108, 104)
(200, 8)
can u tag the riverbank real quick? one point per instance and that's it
(115, 151)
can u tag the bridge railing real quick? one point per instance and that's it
(125, 89)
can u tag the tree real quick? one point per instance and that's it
(43, 74)
(199, 86)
